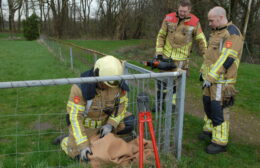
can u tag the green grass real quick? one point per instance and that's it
(238, 155)
(22, 60)
(7, 35)
(248, 85)
(105, 46)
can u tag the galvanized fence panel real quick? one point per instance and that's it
(17, 134)
(168, 121)
(36, 137)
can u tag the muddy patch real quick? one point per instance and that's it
(42, 126)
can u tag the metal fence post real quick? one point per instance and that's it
(125, 70)
(178, 129)
(71, 58)
(95, 58)
(168, 114)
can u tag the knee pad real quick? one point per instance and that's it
(207, 105)
(217, 116)
(129, 122)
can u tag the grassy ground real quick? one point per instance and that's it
(238, 155)
(9, 35)
(107, 46)
(22, 60)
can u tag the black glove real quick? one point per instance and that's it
(200, 77)
(228, 101)
(229, 93)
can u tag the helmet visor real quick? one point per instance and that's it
(113, 83)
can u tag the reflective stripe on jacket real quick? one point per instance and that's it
(175, 37)
(225, 44)
(83, 126)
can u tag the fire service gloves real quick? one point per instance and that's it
(229, 93)
(105, 129)
(84, 154)
(206, 84)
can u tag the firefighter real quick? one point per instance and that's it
(219, 72)
(96, 108)
(175, 38)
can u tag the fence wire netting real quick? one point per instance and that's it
(37, 114)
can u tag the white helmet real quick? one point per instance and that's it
(109, 66)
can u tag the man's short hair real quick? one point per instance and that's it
(185, 3)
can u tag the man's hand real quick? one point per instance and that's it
(84, 154)
(206, 84)
(159, 57)
(105, 129)
(229, 93)
(200, 77)
(228, 101)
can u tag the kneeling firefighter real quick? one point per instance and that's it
(97, 108)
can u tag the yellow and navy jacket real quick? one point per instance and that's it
(175, 37)
(223, 55)
(87, 113)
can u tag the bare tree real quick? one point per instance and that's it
(107, 13)
(1, 17)
(26, 8)
(121, 22)
(59, 10)
(19, 18)
(247, 17)
(140, 17)
(33, 6)
(13, 5)
(41, 7)
(73, 11)
(86, 5)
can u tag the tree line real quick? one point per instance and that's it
(123, 19)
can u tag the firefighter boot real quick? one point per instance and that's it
(58, 139)
(215, 148)
(205, 136)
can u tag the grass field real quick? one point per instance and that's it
(7, 35)
(22, 60)
(107, 46)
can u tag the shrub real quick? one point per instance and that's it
(31, 27)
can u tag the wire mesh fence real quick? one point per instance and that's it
(36, 115)
(74, 57)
